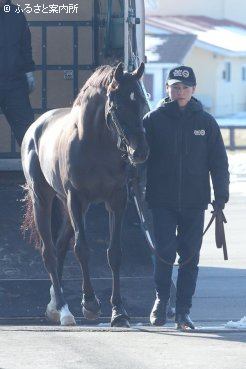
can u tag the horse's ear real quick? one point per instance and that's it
(119, 72)
(139, 72)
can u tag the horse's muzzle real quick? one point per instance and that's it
(140, 155)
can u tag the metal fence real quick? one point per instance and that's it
(234, 136)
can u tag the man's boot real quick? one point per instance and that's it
(183, 321)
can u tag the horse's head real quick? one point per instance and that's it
(124, 113)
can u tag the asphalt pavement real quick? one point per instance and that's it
(139, 347)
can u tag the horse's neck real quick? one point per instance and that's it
(91, 119)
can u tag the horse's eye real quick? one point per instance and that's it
(132, 96)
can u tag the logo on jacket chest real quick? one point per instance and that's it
(199, 132)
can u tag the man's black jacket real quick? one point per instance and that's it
(186, 149)
(15, 47)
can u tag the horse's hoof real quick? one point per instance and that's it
(66, 317)
(91, 309)
(121, 321)
(68, 320)
(120, 317)
(52, 314)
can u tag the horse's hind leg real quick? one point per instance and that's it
(116, 210)
(91, 307)
(42, 197)
(62, 242)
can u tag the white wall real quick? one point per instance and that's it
(226, 97)
(218, 96)
(159, 81)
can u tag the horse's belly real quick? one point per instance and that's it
(99, 186)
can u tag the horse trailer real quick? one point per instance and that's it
(69, 41)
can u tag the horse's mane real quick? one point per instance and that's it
(102, 77)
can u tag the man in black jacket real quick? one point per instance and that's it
(16, 67)
(186, 150)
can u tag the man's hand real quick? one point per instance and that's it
(218, 205)
(219, 226)
(30, 81)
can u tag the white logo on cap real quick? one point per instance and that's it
(181, 73)
(186, 73)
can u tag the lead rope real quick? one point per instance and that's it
(220, 219)
(219, 226)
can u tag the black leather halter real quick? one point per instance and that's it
(112, 116)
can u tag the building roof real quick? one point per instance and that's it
(219, 35)
(168, 48)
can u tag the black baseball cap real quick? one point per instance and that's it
(182, 74)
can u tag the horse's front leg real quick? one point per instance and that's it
(116, 210)
(91, 306)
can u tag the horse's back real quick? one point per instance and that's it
(43, 123)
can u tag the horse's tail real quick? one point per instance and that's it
(28, 226)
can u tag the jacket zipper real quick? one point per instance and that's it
(180, 164)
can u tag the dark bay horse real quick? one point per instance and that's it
(73, 157)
